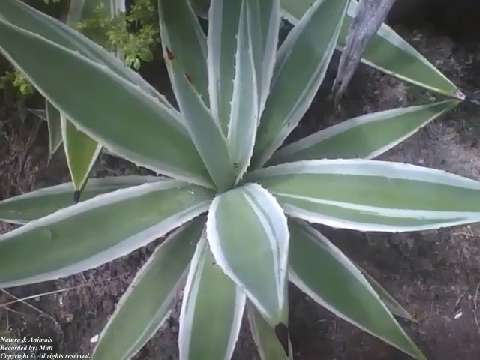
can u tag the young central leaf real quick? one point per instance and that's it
(244, 114)
(184, 47)
(248, 236)
(300, 69)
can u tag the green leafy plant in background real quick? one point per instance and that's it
(236, 207)
(134, 34)
(18, 81)
(115, 32)
(131, 36)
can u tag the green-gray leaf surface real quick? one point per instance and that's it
(212, 310)
(366, 136)
(184, 47)
(185, 53)
(268, 345)
(201, 7)
(224, 17)
(42, 202)
(81, 152)
(386, 51)
(263, 25)
(248, 236)
(146, 303)
(18, 13)
(264, 18)
(160, 142)
(323, 272)
(245, 103)
(390, 302)
(369, 195)
(54, 122)
(301, 65)
(96, 231)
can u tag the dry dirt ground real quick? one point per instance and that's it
(434, 274)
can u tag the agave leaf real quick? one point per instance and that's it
(18, 13)
(96, 231)
(301, 66)
(223, 23)
(244, 109)
(39, 203)
(208, 139)
(369, 195)
(54, 123)
(265, 26)
(390, 302)
(212, 310)
(366, 136)
(248, 236)
(145, 305)
(369, 17)
(81, 152)
(386, 51)
(268, 345)
(201, 7)
(323, 272)
(183, 48)
(160, 143)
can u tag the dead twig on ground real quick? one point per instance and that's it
(370, 16)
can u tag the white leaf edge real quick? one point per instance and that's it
(123, 247)
(187, 312)
(280, 247)
(241, 122)
(317, 237)
(382, 116)
(164, 308)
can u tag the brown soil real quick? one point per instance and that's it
(435, 274)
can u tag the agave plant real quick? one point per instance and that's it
(81, 151)
(240, 203)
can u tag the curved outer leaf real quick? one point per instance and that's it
(54, 122)
(81, 153)
(27, 18)
(183, 48)
(268, 345)
(212, 310)
(366, 136)
(248, 236)
(371, 195)
(390, 302)
(116, 109)
(323, 272)
(39, 203)
(96, 231)
(146, 303)
(301, 66)
(386, 51)
(244, 110)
